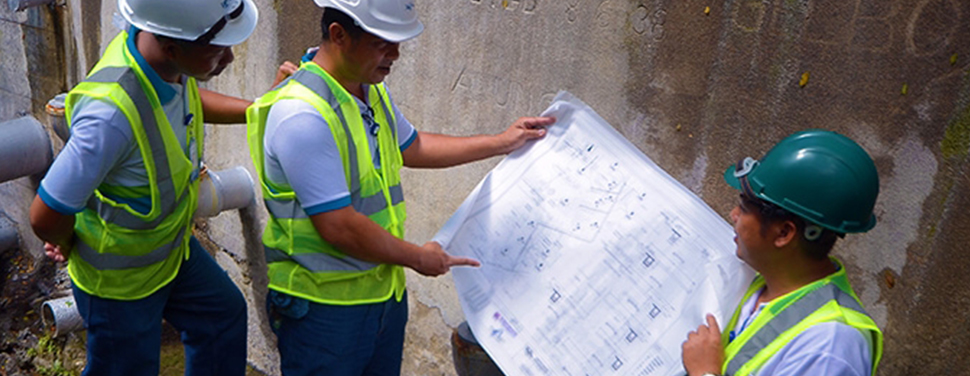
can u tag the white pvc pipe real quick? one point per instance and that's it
(61, 316)
(224, 190)
(25, 148)
(8, 234)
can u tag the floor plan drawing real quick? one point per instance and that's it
(594, 260)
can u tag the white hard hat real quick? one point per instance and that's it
(222, 22)
(392, 20)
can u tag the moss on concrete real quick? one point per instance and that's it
(956, 139)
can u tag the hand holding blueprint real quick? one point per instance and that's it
(594, 260)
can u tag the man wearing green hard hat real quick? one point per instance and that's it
(800, 315)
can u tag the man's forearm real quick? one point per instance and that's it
(358, 236)
(51, 226)
(222, 109)
(434, 150)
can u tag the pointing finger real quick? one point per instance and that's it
(463, 261)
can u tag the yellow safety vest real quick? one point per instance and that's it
(300, 262)
(828, 299)
(121, 253)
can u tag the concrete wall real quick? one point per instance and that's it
(696, 85)
(28, 39)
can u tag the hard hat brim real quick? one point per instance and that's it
(730, 179)
(398, 36)
(239, 29)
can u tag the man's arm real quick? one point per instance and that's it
(223, 109)
(358, 236)
(54, 228)
(437, 150)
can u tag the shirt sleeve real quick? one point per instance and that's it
(100, 138)
(405, 130)
(300, 142)
(831, 348)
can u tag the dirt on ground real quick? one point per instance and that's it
(28, 348)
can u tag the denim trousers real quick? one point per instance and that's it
(202, 303)
(335, 340)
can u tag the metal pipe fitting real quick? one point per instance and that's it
(55, 111)
(25, 148)
(61, 316)
(224, 190)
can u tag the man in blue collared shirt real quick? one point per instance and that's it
(121, 167)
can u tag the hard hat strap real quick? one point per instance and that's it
(744, 167)
(219, 25)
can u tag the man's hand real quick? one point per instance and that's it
(285, 70)
(434, 261)
(55, 252)
(702, 352)
(524, 129)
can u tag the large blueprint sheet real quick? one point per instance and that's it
(594, 260)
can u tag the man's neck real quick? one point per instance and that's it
(327, 60)
(791, 275)
(151, 50)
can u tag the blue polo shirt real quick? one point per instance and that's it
(102, 148)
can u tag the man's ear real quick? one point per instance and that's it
(170, 50)
(784, 233)
(338, 35)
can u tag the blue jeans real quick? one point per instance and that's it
(202, 303)
(333, 340)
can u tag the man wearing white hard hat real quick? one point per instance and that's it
(329, 145)
(118, 201)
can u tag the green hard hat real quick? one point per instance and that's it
(821, 176)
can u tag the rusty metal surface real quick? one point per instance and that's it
(469, 357)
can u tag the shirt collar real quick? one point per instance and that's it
(164, 90)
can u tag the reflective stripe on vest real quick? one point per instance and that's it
(787, 319)
(319, 86)
(320, 262)
(128, 80)
(111, 261)
(292, 209)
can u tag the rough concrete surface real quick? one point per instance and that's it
(695, 84)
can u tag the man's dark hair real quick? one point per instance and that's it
(331, 15)
(769, 214)
(182, 43)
